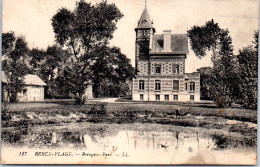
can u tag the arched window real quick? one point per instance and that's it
(175, 69)
(158, 69)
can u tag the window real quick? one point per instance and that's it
(175, 69)
(175, 85)
(141, 84)
(157, 97)
(24, 91)
(157, 85)
(192, 86)
(175, 97)
(186, 86)
(166, 97)
(191, 97)
(141, 96)
(158, 70)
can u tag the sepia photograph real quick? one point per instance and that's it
(129, 82)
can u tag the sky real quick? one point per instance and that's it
(32, 19)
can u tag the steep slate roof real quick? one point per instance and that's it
(29, 79)
(179, 44)
(145, 21)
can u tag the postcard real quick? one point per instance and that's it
(140, 82)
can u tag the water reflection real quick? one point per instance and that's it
(169, 144)
(105, 137)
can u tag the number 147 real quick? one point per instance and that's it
(22, 153)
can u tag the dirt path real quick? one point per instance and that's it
(108, 100)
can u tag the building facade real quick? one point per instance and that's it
(160, 65)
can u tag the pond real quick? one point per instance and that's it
(128, 144)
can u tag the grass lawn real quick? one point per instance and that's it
(155, 108)
(55, 113)
(197, 109)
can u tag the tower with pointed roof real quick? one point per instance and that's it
(143, 34)
(160, 65)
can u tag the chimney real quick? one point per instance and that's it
(167, 41)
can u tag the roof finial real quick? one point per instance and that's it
(145, 4)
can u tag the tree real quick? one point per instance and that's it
(205, 83)
(255, 42)
(8, 40)
(111, 69)
(14, 51)
(82, 31)
(210, 37)
(36, 56)
(224, 75)
(53, 64)
(205, 38)
(248, 63)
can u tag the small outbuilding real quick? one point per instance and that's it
(33, 90)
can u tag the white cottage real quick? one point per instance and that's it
(33, 90)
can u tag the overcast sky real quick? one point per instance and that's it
(32, 19)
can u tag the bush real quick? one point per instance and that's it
(80, 101)
(221, 101)
(6, 115)
(220, 140)
(98, 109)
